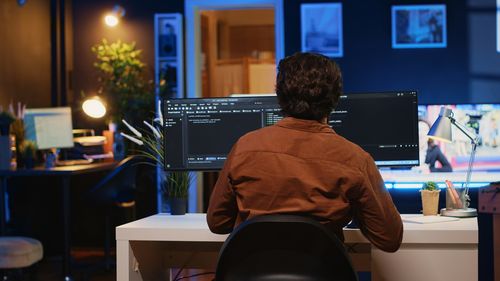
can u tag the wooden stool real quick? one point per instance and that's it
(19, 252)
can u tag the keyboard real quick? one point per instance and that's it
(73, 162)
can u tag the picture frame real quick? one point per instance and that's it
(169, 55)
(498, 26)
(168, 30)
(321, 28)
(419, 26)
(168, 77)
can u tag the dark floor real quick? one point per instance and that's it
(86, 267)
(83, 267)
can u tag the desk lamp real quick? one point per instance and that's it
(441, 130)
(94, 107)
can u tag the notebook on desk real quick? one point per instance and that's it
(428, 219)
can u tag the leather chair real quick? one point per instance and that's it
(283, 247)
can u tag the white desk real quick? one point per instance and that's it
(148, 248)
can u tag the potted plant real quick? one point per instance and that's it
(430, 198)
(174, 185)
(27, 150)
(122, 80)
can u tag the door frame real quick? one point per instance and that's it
(193, 58)
(192, 12)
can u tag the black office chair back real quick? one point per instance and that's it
(283, 247)
(119, 185)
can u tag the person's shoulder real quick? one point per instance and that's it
(353, 154)
(257, 135)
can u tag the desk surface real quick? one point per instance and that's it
(59, 171)
(193, 228)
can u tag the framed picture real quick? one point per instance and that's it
(168, 30)
(169, 55)
(321, 28)
(498, 26)
(419, 26)
(168, 78)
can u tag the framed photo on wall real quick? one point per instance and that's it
(321, 28)
(419, 26)
(498, 26)
(169, 55)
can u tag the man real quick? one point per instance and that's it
(301, 166)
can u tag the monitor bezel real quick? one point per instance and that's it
(389, 166)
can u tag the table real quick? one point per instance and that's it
(148, 248)
(64, 173)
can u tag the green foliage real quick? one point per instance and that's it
(122, 80)
(27, 149)
(151, 145)
(431, 186)
(176, 184)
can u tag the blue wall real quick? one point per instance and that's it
(466, 71)
(441, 75)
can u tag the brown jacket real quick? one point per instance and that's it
(303, 167)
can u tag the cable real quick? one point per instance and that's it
(193, 275)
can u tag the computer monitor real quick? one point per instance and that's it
(482, 119)
(49, 127)
(199, 133)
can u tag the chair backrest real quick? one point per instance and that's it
(283, 247)
(119, 185)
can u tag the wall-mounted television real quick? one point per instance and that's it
(482, 119)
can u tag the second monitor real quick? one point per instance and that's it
(199, 133)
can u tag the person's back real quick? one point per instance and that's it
(301, 166)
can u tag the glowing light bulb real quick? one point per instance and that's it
(111, 20)
(94, 107)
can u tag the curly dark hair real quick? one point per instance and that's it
(308, 86)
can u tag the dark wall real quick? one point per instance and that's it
(25, 53)
(370, 64)
(89, 29)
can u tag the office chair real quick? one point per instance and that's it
(283, 247)
(116, 190)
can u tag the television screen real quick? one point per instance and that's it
(482, 119)
(202, 131)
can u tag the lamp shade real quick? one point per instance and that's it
(441, 129)
(94, 107)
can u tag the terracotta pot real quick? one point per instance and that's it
(430, 202)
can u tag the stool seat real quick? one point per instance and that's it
(19, 252)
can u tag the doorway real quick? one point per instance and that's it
(237, 52)
(201, 59)
(193, 11)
